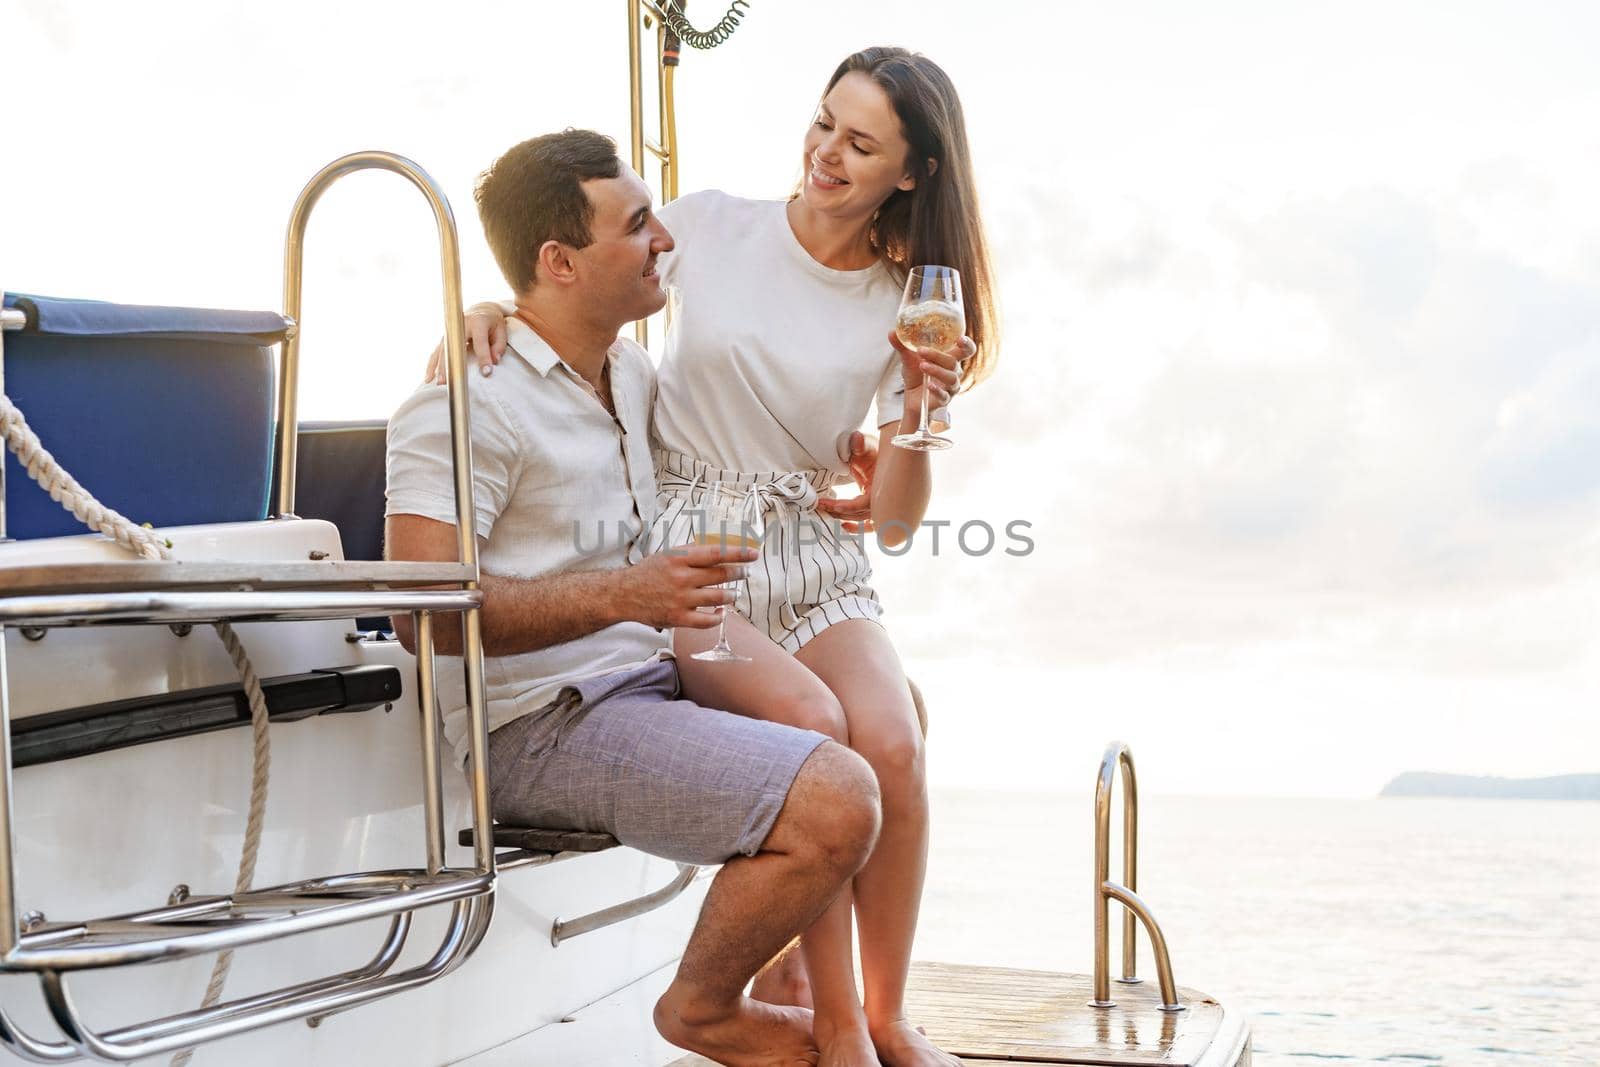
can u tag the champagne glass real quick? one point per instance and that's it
(930, 317)
(731, 517)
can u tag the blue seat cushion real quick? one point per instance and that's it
(165, 414)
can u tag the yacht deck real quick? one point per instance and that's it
(1000, 1017)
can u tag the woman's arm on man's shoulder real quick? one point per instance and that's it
(486, 338)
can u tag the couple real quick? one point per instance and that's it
(811, 794)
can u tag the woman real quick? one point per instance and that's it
(775, 355)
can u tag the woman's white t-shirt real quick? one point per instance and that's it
(772, 358)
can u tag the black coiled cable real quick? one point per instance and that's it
(672, 12)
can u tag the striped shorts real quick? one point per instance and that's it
(811, 574)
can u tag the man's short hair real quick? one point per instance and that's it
(534, 193)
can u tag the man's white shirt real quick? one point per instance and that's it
(558, 485)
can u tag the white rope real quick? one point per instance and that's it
(65, 490)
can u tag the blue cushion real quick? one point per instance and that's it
(165, 414)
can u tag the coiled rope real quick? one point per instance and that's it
(684, 30)
(65, 490)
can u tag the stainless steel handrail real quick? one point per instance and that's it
(455, 337)
(1105, 890)
(334, 900)
(432, 776)
(9, 320)
(227, 576)
(82, 609)
(59, 949)
(566, 929)
(27, 1047)
(381, 962)
(468, 923)
(455, 344)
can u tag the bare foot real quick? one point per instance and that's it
(902, 1045)
(848, 1045)
(746, 1034)
(784, 981)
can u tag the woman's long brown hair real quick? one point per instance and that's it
(938, 220)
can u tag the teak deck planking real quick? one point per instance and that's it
(999, 1017)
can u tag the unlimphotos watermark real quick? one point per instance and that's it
(973, 537)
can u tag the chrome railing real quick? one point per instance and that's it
(170, 592)
(1105, 890)
(566, 929)
(10, 319)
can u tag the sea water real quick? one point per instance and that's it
(1445, 931)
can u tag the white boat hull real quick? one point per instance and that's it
(118, 831)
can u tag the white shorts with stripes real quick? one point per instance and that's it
(811, 574)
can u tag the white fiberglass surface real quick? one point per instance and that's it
(117, 831)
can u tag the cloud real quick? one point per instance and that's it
(1358, 424)
(53, 19)
(1544, 453)
(1369, 255)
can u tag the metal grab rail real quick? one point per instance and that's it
(35, 1051)
(214, 924)
(455, 344)
(216, 927)
(24, 1046)
(566, 929)
(468, 923)
(1105, 890)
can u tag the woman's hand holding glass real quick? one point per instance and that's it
(929, 335)
(939, 372)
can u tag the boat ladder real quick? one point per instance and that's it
(1105, 890)
(184, 593)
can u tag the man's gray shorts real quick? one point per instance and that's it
(622, 754)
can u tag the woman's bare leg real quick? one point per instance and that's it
(860, 666)
(783, 980)
(777, 687)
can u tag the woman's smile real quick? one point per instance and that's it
(823, 179)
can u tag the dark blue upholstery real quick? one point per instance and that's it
(339, 476)
(165, 414)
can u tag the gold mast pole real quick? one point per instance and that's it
(642, 15)
(641, 329)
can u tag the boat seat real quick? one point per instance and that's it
(180, 400)
(339, 477)
(534, 839)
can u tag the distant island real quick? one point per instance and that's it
(1561, 787)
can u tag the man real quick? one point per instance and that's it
(587, 730)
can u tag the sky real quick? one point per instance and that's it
(1300, 386)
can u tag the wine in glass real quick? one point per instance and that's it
(730, 517)
(930, 317)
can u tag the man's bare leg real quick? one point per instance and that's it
(784, 980)
(777, 687)
(757, 904)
